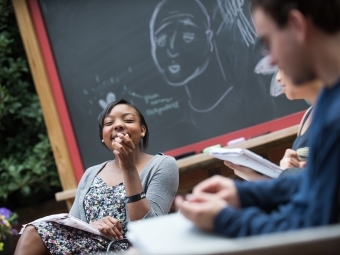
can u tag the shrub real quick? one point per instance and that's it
(27, 167)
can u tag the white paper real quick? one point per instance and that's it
(68, 220)
(174, 234)
(244, 157)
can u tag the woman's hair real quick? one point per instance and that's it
(145, 141)
(324, 13)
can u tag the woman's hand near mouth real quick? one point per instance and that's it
(124, 150)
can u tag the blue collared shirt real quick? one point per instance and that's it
(310, 198)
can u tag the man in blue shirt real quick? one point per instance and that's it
(303, 39)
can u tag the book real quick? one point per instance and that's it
(247, 158)
(71, 221)
(173, 234)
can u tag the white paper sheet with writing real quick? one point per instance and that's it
(244, 157)
(174, 234)
(69, 220)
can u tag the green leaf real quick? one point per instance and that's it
(12, 186)
(26, 190)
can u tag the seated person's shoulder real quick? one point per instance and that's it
(169, 160)
(165, 162)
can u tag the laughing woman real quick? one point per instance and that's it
(133, 186)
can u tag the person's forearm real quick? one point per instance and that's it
(267, 194)
(232, 222)
(136, 210)
(305, 208)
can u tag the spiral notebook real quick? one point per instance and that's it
(244, 157)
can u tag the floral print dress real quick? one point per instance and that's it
(100, 201)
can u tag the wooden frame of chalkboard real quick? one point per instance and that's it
(56, 113)
(43, 86)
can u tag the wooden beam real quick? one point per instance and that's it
(43, 88)
(203, 158)
(66, 194)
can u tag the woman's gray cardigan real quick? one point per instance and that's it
(159, 179)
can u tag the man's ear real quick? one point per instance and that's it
(210, 35)
(299, 24)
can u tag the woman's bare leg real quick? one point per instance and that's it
(30, 243)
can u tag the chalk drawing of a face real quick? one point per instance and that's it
(181, 40)
(232, 11)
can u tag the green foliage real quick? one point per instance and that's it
(27, 167)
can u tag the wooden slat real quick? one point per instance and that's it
(249, 144)
(66, 194)
(42, 85)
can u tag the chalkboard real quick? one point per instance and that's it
(194, 69)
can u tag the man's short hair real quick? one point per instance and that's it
(325, 14)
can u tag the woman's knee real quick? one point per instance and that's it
(30, 231)
(30, 242)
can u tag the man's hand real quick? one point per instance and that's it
(201, 209)
(220, 186)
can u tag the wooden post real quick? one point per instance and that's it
(43, 88)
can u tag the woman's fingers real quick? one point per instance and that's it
(114, 224)
(109, 226)
(102, 226)
(118, 146)
(117, 224)
(289, 162)
(123, 145)
(108, 230)
(117, 232)
(124, 151)
(289, 153)
(126, 140)
(303, 164)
